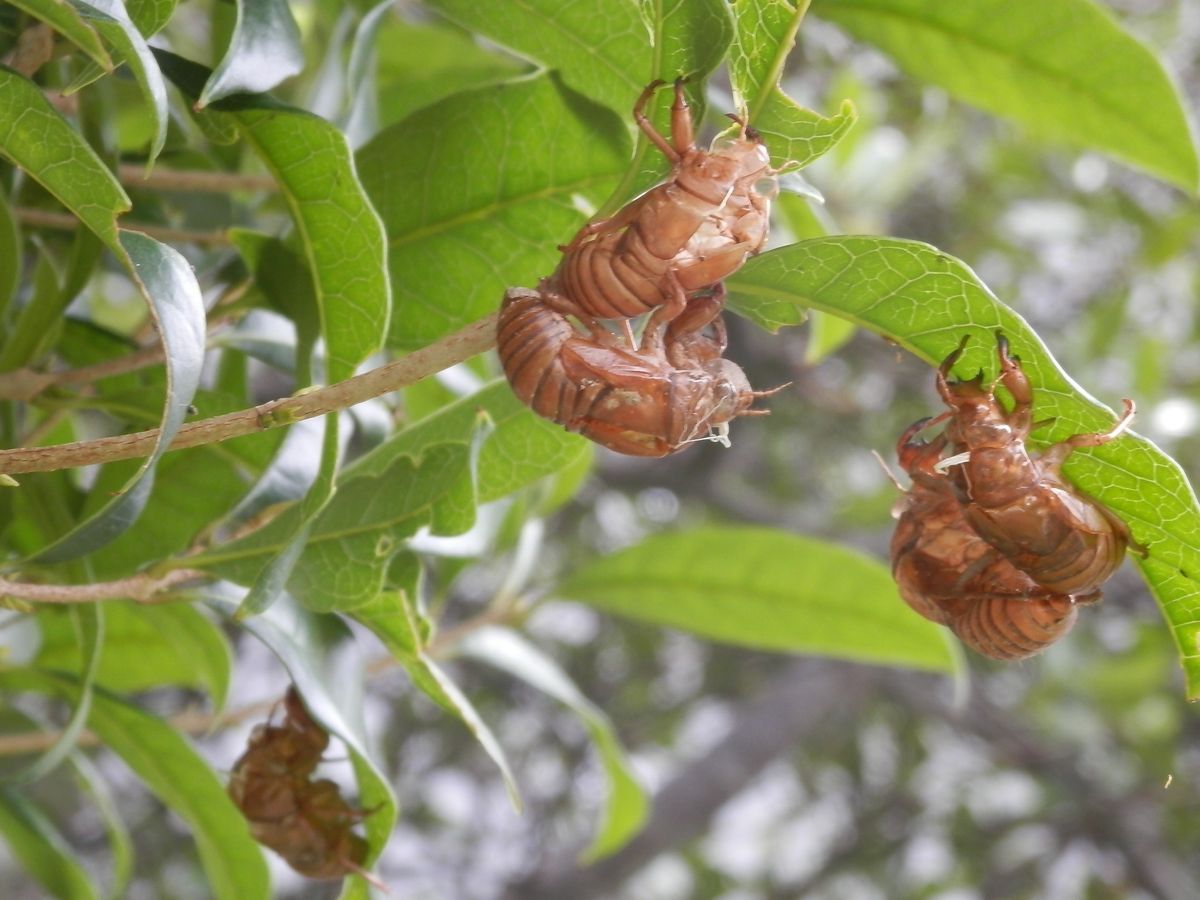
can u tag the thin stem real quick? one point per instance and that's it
(194, 181)
(139, 588)
(450, 350)
(40, 218)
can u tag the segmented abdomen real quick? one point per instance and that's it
(1016, 628)
(529, 338)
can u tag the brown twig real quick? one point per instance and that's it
(40, 218)
(139, 588)
(455, 348)
(193, 181)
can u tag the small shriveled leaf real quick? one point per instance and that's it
(522, 449)
(353, 540)
(263, 51)
(144, 647)
(767, 589)
(112, 21)
(41, 850)
(342, 237)
(399, 626)
(169, 286)
(1065, 70)
(463, 230)
(36, 138)
(927, 301)
(626, 806)
(765, 34)
(63, 17)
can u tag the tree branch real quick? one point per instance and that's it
(41, 218)
(194, 181)
(455, 348)
(139, 588)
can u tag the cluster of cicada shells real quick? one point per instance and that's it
(662, 256)
(991, 540)
(305, 821)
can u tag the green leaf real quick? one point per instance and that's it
(1065, 70)
(627, 805)
(11, 252)
(927, 301)
(112, 21)
(168, 284)
(523, 448)
(150, 15)
(87, 634)
(353, 540)
(509, 208)
(765, 34)
(120, 844)
(64, 18)
(38, 846)
(172, 769)
(763, 588)
(319, 655)
(399, 626)
(36, 138)
(341, 234)
(263, 51)
(145, 646)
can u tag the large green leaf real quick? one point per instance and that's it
(38, 846)
(169, 286)
(354, 539)
(927, 301)
(112, 21)
(767, 589)
(765, 34)
(63, 17)
(522, 448)
(145, 647)
(263, 51)
(342, 236)
(626, 806)
(465, 225)
(1063, 69)
(36, 138)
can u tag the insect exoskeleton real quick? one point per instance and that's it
(646, 402)
(687, 233)
(1019, 502)
(947, 573)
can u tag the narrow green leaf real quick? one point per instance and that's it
(264, 50)
(927, 301)
(1065, 70)
(341, 234)
(38, 846)
(169, 765)
(87, 626)
(120, 844)
(319, 655)
(765, 34)
(150, 15)
(10, 259)
(112, 21)
(64, 18)
(168, 284)
(627, 805)
(399, 626)
(35, 137)
(522, 449)
(145, 647)
(354, 539)
(559, 151)
(766, 589)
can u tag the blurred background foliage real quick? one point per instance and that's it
(1073, 775)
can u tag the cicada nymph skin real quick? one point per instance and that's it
(1018, 501)
(305, 821)
(948, 574)
(688, 233)
(644, 402)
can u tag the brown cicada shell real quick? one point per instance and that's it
(947, 573)
(1019, 502)
(686, 234)
(646, 402)
(305, 821)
